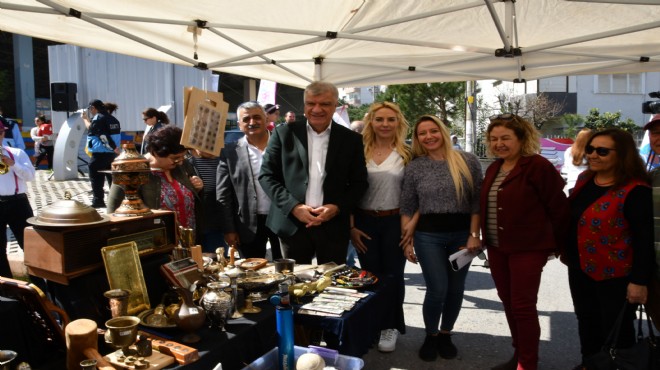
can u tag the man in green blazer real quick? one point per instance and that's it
(314, 173)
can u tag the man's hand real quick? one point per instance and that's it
(326, 212)
(314, 216)
(232, 239)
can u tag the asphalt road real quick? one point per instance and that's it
(481, 333)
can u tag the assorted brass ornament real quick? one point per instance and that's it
(130, 170)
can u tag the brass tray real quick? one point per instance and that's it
(144, 321)
(124, 271)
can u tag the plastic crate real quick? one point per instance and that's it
(331, 357)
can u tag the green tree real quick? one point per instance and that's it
(572, 123)
(598, 121)
(445, 100)
(357, 113)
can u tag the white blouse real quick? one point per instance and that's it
(385, 182)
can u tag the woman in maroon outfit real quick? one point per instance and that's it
(524, 213)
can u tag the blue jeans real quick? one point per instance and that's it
(444, 286)
(384, 256)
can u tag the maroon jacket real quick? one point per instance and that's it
(533, 212)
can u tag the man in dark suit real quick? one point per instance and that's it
(314, 173)
(244, 203)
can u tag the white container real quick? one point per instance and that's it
(341, 362)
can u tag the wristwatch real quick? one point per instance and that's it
(475, 234)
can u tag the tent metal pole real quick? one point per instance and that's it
(595, 36)
(503, 34)
(247, 48)
(415, 17)
(265, 51)
(64, 10)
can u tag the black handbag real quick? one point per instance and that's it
(644, 355)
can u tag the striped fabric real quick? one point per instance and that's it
(491, 211)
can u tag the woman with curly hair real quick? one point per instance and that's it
(524, 218)
(439, 216)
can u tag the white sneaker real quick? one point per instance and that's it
(387, 342)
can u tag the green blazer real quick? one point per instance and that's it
(284, 176)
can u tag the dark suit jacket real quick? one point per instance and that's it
(533, 212)
(284, 176)
(236, 191)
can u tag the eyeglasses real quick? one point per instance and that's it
(602, 152)
(145, 118)
(503, 116)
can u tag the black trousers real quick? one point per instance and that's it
(99, 162)
(14, 212)
(45, 151)
(257, 247)
(597, 305)
(315, 241)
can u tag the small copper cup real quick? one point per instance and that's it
(118, 299)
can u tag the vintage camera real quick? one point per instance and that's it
(652, 106)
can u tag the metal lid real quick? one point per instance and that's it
(67, 212)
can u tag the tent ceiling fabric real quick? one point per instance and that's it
(359, 43)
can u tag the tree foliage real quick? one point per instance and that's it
(572, 123)
(445, 100)
(598, 121)
(357, 113)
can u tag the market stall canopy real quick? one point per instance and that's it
(360, 42)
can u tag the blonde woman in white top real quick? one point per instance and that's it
(376, 225)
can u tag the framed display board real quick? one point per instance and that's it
(205, 120)
(124, 271)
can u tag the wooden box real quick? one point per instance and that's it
(62, 253)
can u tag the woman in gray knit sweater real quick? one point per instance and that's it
(439, 216)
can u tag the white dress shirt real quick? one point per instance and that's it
(317, 149)
(15, 181)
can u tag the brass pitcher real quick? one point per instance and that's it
(189, 317)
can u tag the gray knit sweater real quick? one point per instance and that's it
(427, 187)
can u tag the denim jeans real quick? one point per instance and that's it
(384, 256)
(444, 286)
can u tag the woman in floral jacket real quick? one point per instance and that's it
(610, 248)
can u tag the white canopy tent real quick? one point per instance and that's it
(360, 42)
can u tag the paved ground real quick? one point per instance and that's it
(481, 333)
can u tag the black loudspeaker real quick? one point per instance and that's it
(63, 96)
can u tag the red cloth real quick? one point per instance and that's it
(45, 129)
(271, 126)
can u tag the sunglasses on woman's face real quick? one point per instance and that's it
(601, 151)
